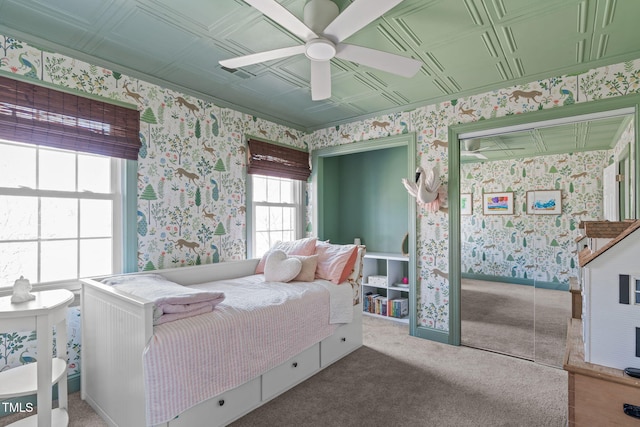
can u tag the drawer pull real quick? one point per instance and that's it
(221, 402)
(631, 410)
(343, 339)
(294, 364)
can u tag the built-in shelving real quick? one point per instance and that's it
(383, 287)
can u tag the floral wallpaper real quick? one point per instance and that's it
(431, 122)
(191, 168)
(525, 246)
(192, 178)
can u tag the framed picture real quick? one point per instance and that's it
(497, 203)
(544, 202)
(466, 204)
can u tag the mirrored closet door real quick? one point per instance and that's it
(523, 196)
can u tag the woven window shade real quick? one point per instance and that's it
(42, 116)
(276, 160)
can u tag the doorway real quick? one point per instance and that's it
(357, 206)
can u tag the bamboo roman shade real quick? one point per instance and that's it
(279, 161)
(39, 115)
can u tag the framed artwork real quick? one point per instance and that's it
(466, 204)
(544, 202)
(497, 203)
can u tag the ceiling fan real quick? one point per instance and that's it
(472, 149)
(323, 30)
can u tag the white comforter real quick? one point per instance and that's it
(258, 326)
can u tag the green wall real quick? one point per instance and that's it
(366, 198)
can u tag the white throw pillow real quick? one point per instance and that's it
(280, 268)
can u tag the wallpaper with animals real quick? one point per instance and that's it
(431, 122)
(192, 177)
(523, 245)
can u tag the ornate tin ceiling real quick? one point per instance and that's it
(467, 46)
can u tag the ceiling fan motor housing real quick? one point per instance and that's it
(319, 13)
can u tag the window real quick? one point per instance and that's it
(636, 291)
(277, 174)
(277, 212)
(59, 214)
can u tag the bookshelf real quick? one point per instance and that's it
(384, 294)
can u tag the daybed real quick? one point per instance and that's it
(123, 377)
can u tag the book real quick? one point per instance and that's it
(400, 307)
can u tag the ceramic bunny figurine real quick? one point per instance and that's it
(21, 289)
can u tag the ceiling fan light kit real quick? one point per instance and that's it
(323, 30)
(320, 50)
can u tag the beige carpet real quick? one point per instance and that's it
(399, 380)
(515, 319)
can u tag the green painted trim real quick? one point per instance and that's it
(249, 217)
(73, 385)
(436, 335)
(518, 281)
(317, 175)
(64, 89)
(591, 107)
(130, 217)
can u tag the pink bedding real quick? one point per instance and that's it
(258, 326)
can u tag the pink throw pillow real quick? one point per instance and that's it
(335, 262)
(306, 246)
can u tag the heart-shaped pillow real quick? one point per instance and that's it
(280, 268)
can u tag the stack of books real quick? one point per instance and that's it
(375, 303)
(399, 307)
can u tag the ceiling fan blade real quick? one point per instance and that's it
(254, 58)
(389, 62)
(282, 16)
(320, 80)
(356, 16)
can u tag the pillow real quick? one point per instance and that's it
(356, 273)
(308, 271)
(280, 268)
(335, 262)
(306, 246)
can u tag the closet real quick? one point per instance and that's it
(358, 193)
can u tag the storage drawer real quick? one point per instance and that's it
(291, 372)
(344, 340)
(599, 402)
(222, 409)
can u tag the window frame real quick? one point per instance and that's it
(635, 292)
(298, 204)
(122, 194)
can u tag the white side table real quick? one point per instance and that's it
(41, 314)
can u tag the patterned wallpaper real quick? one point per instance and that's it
(525, 246)
(191, 182)
(191, 169)
(431, 122)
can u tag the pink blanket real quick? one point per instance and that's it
(171, 300)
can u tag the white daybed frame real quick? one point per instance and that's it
(117, 326)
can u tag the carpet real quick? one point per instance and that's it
(517, 320)
(399, 380)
